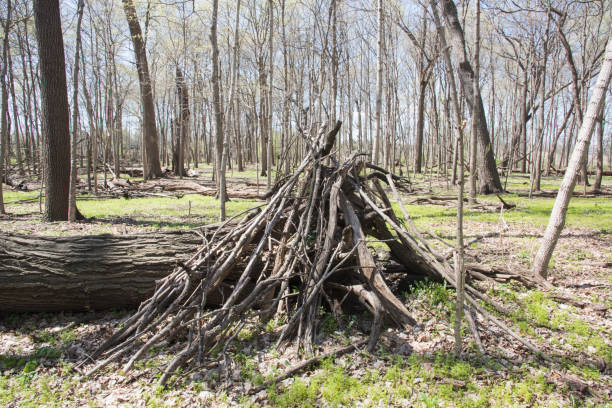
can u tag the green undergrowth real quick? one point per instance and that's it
(434, 379)
(165, 212)
(536, 309)
(11, 196)
(437, 380)
(158, 213)
(47, 344)
(582, 212)
(33, 389)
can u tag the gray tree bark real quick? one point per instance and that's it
(72, 209)
(152, 167)
(489, 181)
(218, 113)
(599, 153)
(379, 85)
(475, 113)
(269, 145)
(183, 128)
(4, 102)
(579, 155)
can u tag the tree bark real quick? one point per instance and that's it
(286, 90)
(56, 117)
(489, 181)
(379, 85)
(263, 132)
(475, 122)
(72, 209)
(4, 102)
(599, 154)
(183, 130)
(579, 155)
(150, 138)
(269, 158)
(537, 160)
(418, 151)
(18, 154)
(218, 109)
(551, 154)
(44, 274)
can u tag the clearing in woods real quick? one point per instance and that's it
(571, 323)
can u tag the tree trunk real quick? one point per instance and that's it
(44, 274)
(418, 152)
(18, 154)
(183, 127)
(263, 133)
(379, 85)
(475, 119)
(4, 102)
(218, 108)
(489, 181)
(557, 216)
(150, 140)
(599, 153)
(56, 117)
(72, 209)
(551, 154)
(537, 161)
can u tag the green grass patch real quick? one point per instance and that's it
(10, 196)
(418, 381)
(582, 212)
(157, 210)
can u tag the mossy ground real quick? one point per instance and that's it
(37, 351)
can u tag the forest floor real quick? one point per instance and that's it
(37, 351)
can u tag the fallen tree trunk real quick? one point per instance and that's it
(44, 274)
(591, 172)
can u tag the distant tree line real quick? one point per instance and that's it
(248, 83)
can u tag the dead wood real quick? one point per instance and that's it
(576, 193)
(306, 249)
(450, 201)
(94, 272)
(168, 187)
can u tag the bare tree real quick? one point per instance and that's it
(56, 116)
(72, 208)
(579, 155)
(218, 113)
(152, 167)
(379, 83)
(489, 181)
(270, 91)
(4, 102)
(183, 121)
(536, 174)
(599, 153)
(475, 113)
(459, 253)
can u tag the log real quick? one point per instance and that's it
(17, 183)
(77, 273)
(592, 172)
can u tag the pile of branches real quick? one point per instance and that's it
(305, 250)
